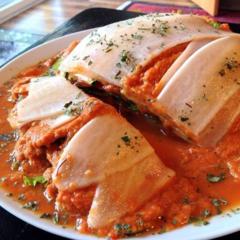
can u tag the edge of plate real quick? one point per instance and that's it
(219, 225)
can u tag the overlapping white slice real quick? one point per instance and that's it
(190, 49)
(100, 55)
(127, 190)
(46, 99)
(202, 98)
(105, 151)
(112, 154)
(105, 145)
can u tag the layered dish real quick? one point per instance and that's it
(133, 130)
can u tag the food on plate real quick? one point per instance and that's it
(211, 92)
(144, 56)
(93, 145)
(99, 147)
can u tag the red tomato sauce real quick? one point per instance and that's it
(203, 186)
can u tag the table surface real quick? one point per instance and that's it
(45, 17)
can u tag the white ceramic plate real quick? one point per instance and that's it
(219, 226)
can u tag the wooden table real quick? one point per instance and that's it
(45, 17)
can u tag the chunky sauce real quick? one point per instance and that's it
(203, 186)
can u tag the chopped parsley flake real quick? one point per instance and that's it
(73, 108)
(231, 63)
(15, 164)
(118, 65)
(158, 27)
(183, 118)
(132, 106)
(126, 139)
(206, 213)
(198, 221)
(32, 205)
(218, 203)
(137, 36)
(123, 229)
(215, 24)
(9, 137)
(86, 57)
(222, 72)
(21, 197)
(118, 75)
(127, 58)
(188, 105)
(46, 216)
(174, 221)
(56, 218)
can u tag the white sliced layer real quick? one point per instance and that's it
(47, 97)
(190, 49)
(105, 145)
(58, 121)
(202, 98)
(100, 54)
(126, 191)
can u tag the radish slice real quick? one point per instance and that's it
(47, 97)
(112, 52)
(126, 191)
(202, 99)
(105, 145)
(191, 48)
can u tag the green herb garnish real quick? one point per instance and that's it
(123, 229)
(34, 181)
(56, 217)
(215, 24)
(73, 108)
(15, 164)
(32, 205)
(183, 118)
(206, 213)
(126, 139)
(218, 203)
(21, 197)
(46, 216)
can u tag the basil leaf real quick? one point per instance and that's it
(33, 181)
